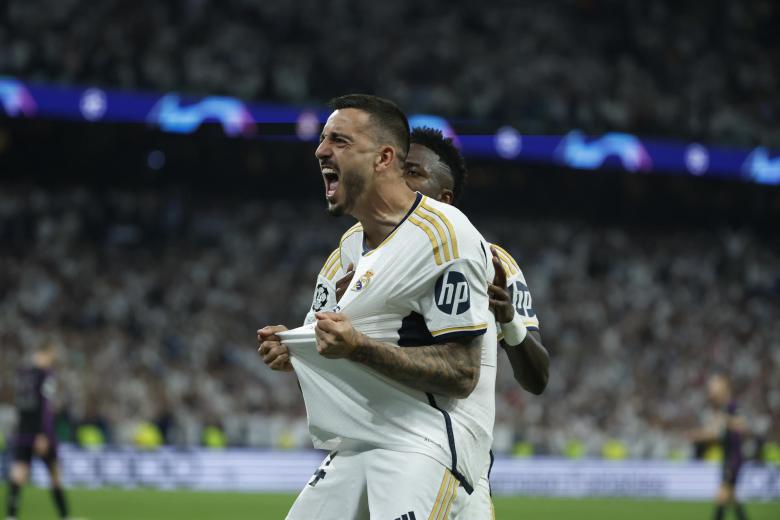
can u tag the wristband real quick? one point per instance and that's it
(514, 331)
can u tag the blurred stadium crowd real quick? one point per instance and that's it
(698, 70)
(155, 297)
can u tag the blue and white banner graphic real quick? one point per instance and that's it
(171, 112)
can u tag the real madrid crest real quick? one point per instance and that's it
(363, 281)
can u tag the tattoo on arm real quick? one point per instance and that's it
(450, 369)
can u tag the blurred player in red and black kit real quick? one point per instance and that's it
(728, 429)
(34, 390)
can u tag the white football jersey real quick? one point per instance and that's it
(426, 283)
(518, 291)
(332, 271)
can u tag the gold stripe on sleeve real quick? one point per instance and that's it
(335, 269)
(506, 267)
(329, 262)
(453, 495)
(439, 230)
(434, 242)
(508, 256)
(465, 328)
(447, 223)
(437, 504)
(508, 262)
(357, 228)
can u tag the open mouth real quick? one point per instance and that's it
(331, 178)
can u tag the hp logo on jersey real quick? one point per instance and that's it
(452, 293)
(521, 298)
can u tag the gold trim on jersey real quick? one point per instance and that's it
(439, 230)
(446, 222)
(453, 495)
(506, 258)
(448, 490)
(385, 241)
(357, 228)
(464, 328)
(508, 269)
(334, 256)
(336, 267)
(434, 242)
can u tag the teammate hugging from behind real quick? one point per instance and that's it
(436, 168)
(415, 323)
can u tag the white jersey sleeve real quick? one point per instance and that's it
(334, 269)
(455, 304)
(324, 298)
(518, 291)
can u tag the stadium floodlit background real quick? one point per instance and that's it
(159, 201)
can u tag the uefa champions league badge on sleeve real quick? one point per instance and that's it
(363, 281)
(320, 298)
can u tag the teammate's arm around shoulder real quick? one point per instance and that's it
(450, 368)
(529, 359)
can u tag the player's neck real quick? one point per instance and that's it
(383, 209)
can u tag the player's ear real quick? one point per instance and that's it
(385, 158)
(446, 196)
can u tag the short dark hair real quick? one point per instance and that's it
(383, 113)
(448, 154)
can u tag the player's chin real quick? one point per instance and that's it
(335, 209)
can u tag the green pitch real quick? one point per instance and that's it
(109, 504)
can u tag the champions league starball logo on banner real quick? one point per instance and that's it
(575, 151)
(16, 99)
(761, 168)
(170, 114)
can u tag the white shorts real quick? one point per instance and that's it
(478, 506)
(378, 484)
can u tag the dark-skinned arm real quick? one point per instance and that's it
(450, 369)
(530, 360)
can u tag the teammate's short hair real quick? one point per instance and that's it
(448, 154)
(384, 114)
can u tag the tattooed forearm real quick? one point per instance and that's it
(450, 369)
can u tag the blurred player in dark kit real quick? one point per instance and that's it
(34, 390)
(728, 429)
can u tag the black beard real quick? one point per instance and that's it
(353, 186)
(335, 211)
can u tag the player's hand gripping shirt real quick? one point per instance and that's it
(333, 270)
(518, 290)
(425, 284)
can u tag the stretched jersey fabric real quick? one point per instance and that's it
(334, 269)
(425, 284)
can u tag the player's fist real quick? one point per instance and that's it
(336, 337)
(499, 300)
(270, 347)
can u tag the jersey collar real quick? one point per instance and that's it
(417, 200)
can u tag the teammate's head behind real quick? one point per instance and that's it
(435, 166)
(364, 136)
(719, 389)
